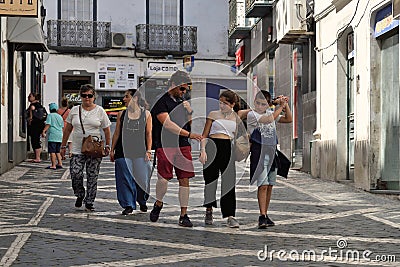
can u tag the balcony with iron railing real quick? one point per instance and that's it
(152, 39)
(239, 25)
(78, 36)
(259, 8)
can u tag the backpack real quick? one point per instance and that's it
(40, 113)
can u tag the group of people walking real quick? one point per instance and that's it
(172, 130)
(167, 129)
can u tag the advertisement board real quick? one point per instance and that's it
(116, 76)
(112, 105)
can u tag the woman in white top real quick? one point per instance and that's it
(217, 157)
(94, 118)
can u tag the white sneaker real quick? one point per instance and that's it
(232, 222)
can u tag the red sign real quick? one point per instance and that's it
(239, 56)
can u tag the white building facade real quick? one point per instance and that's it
(358, 100)
(22, 43)
(117, 45)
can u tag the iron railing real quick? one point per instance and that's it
(166, 39)
(233, 19)
(250, 3)
(78, 35)
(258, 8)
(239, 25)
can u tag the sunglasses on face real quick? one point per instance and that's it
(261, 104)
(87, 95)
(182, 89)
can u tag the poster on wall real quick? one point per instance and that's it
(116, 76)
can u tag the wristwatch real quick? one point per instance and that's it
(190, 113)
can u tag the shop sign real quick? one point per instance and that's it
(113, 103)
(161, 68)
(73, 98)
(384, 21)
(21, 8)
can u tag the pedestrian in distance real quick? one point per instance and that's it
(54, 131)
(35, 117)
(131, 152)
(261, 124)
(216, 154)
(64, 111)
(94, 119)
(171, 133)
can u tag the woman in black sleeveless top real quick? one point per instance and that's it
(35, 126)
(131, 151)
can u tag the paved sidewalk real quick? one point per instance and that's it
(332, 222)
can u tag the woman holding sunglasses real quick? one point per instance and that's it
(94, 119)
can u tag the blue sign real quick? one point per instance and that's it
(384, 21)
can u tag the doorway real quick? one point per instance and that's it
(350, 107)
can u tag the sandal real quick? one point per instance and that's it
(35, 161)
(51, 168)
(59, 167)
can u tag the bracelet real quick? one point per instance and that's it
(107, 146)
(190, 113)
(63, 147)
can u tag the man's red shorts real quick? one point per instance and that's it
(179, 158)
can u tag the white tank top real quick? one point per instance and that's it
(223, 126)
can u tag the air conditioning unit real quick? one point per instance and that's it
(290, 21)
(122, 40)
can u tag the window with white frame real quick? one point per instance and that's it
(164, 12)
(77, 10)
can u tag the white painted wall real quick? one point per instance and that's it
(327, 28)
(326, 79)
(211, 18)
(3, 88)
(61, 63)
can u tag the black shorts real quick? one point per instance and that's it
(54, 147)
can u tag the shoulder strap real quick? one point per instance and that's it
(123, 115)
(64, 112)
(80, 119)
(143, 114)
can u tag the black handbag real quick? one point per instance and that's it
(283, 164)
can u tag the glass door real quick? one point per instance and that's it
(390, 118)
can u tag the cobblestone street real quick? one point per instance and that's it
(39, 225)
